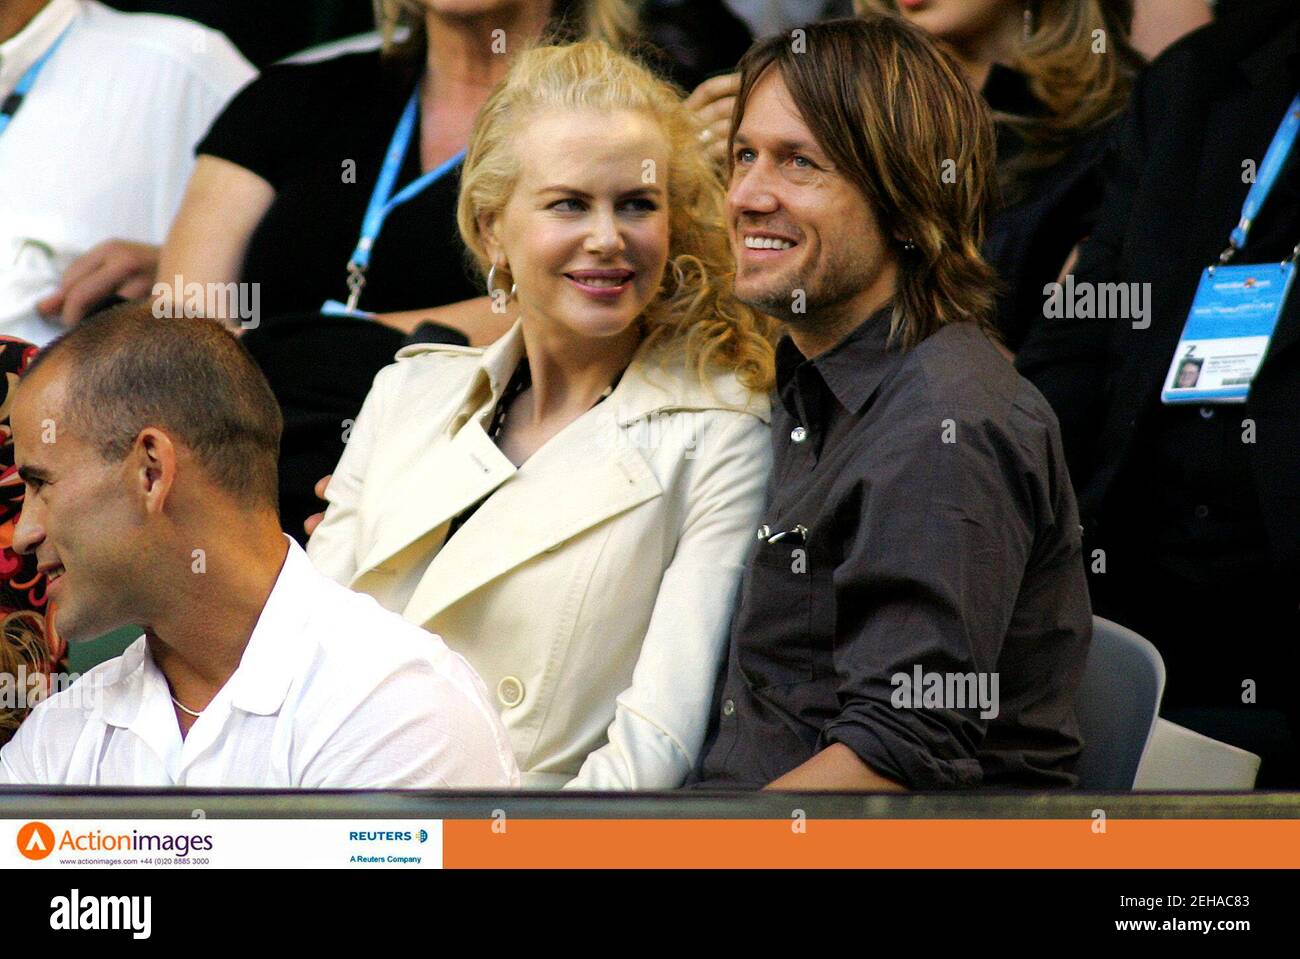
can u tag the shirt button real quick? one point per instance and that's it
(728, 707)
(1207, 412)
(510, 691)
(1202, 511)
(798, 434)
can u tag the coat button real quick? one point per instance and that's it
(798, 434)
(510, 691)
(1202, 511)
(728, 707)
(764, 532)
(1207, 412)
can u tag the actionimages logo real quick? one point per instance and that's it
(35, 840)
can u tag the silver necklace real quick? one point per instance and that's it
(187, 711)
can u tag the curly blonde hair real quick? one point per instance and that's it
(694, 309)
(22, 646)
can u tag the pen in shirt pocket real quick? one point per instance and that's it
(798, 534)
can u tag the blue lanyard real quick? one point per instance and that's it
(1267, 175)
(382, 201)
(12, 102)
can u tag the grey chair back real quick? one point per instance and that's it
(1117, 704)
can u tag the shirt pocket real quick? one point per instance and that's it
(787, 621)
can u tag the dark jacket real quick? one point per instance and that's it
(1174, 189)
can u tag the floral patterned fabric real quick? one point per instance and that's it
(27, 637)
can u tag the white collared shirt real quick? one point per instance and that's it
(103, 144)
(333, 691)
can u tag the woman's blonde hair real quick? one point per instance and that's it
(612, 21)
(22, 647)
(1080, 65)
(694, 309)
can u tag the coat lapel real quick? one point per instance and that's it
(448, 479)
(586, 474)
(568, 486)
(452, 468)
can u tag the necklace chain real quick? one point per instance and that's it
(519, 382)
(185, 709)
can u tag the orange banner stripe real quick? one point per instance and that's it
(871, 844)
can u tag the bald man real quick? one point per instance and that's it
(148, 450)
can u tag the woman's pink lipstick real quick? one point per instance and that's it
(603, 290)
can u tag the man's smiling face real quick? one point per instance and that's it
(797, 223)
(78, 517)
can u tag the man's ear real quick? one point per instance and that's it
(153, 467)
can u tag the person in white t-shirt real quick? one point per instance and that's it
(150, 498)
(97, 151)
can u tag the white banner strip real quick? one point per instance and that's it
(221, 844)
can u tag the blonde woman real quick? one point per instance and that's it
(571, 507)
(330, 183)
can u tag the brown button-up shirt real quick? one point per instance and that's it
(916, 591)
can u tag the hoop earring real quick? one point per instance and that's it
(491, 284)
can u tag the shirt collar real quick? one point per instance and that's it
(270, 662)
(499, 361)
(496, 365)
(19, 52)
(852, 369)
(266, 670)
(647, 387)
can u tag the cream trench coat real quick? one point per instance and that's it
(593, 589)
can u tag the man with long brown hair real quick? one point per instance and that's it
(915, 613)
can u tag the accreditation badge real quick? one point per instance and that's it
(1228, 330)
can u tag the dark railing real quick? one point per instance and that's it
(81, 803)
